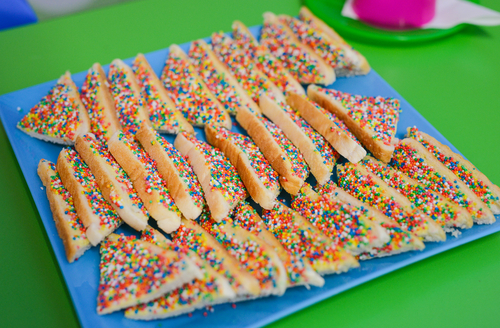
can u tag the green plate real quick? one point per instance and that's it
(330, 12)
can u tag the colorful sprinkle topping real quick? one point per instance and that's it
(428, 202)
(129, 104)
(299, 166)
(130, 270)
(161, 114)
(108, 219)
(184, 170)
(378, 114)
(241, 65)
(153, 181)
(341, 222)
(364, 188)
(224, 177)
(180, 79)
(322, 146)
(293, 57)
(300, 241)
(259, 163)
(216, 80)
(56, 115)
(252, 256)
(246, 217)
(99, 126)
(198, 243)
(334, 55)
(121, 178)
(407, 160)
(460, 170)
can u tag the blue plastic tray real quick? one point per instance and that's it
(82, 277)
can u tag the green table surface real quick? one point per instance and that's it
(453, 82)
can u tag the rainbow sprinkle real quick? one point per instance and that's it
(259, 163)
(293, 57)
(460, 170)
(56, 115)
(407, 160)
(364, 188)
(161, 114)
(180, 79)
(378, 114)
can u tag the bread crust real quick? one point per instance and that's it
(149, 82)
(258, 191)
(463, 219)
(326, 70)
(245, 284)
(219, 206)
(225, 119)
(114, 183)
(130, 116)
(99, 224)
(271, 150)
(476, 174)
(477, 203)
(99, 103)
(320, 166)
(146, 182)
(68, 225)
(223, 71)
(380, 150)
(179, 188)
(339, 140)
(261, 53)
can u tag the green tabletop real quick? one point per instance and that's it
(453, 82)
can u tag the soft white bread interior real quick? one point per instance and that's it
(69, 226)
(175, 171)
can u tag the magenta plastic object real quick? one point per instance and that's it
(395, 14)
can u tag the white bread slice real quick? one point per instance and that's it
(69, 226)
(144, 176)
(59, 117)
(116, 187)
(194, 237)
(366, 186)
(462, 168)
(209, 289)
(265, 61)
(254, 255)
(414, 160)
(283, 156)
(259, 178)
(219, 79)
(129, 100)
(317, 152)
(189, 92)
(175, 171)
(373, 120)
(99, 103)
(400, 241)
(345, 60)
(98, 217)
(243, 68)
(163, 114)
(299, 271)
(135, 271)
(300, 60)
(447, 214)
(329, 126)
(308, 17)
(348, 227)
(299, 237)
(221, 184)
